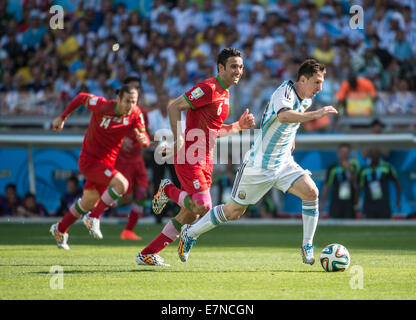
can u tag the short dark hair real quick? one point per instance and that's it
(132, 79)
(73, 178)
(227, 53)
(344, 145)
(10, 186)
(352, 80)
(309, 67)
(30, 195)
(125, 89)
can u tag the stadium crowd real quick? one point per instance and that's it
(172, 44)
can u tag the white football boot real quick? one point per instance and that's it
(93, 226)
(307, 254)
(185, 243)
(61, 238)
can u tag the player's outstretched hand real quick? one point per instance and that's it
(58, 124)
(246, 120)
(327, 110)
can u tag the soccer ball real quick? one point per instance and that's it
(335, 257)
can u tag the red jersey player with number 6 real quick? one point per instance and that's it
(110, 122)
(207, 105)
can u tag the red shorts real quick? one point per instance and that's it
(194, 178)
(135, 173)
(97, 173)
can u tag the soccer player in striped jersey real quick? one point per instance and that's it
(269, 163)
(110, 122)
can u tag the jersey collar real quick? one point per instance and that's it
(115, 109)
(291, 84)
(222, 84)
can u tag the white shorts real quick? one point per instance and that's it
(252, 183)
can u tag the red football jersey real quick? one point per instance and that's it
(107, 128)
(209, 101)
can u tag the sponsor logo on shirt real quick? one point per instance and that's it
(196, 93)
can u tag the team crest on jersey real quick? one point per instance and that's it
(242, 195)
(196, 93)
(108, 173)
(125, 121)
(197, 185)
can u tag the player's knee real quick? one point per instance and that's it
(120, 184)
(200, 209)
(311, 193)
(89, 199)
(202, 203)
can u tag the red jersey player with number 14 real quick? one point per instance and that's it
(110, 122)
(207, 105)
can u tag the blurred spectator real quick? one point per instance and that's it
(374, 180)
(32, 37)
(341, 183)
(384, 55)
(357, 95)
(10, 202)
(324, 52)
(73, 192)
(12, 46)
(401, 47)
(30, 208)
(67, 48)
(401, 101)
(370, 67)
(168, 36)
(183, 16)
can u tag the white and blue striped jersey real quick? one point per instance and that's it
(273, 143)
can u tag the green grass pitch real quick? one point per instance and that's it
(231, 262)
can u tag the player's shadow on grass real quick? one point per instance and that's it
(273, 272)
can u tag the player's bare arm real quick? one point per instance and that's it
(79, 100)
(291, 116)
(246, 121)
(175, 109)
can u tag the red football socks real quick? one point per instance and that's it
(169, 234)
(107, 199)
(68, 220)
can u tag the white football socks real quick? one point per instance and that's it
(209, 221)
(310, 217)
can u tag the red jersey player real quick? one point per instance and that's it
(207, 106)
(131, 164)
(110, 121)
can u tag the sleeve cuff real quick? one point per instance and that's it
(189, 102)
